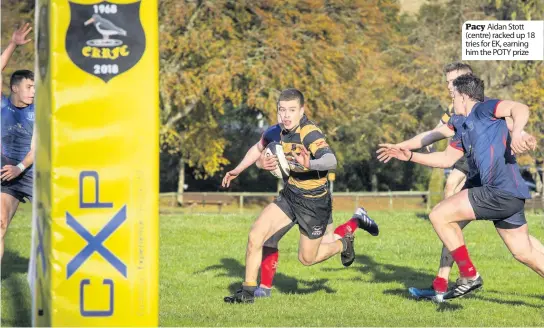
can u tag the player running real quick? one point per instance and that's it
(305, 199)
(494, 189)
(456, 178)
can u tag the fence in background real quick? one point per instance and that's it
(347, 201)
(241, 202)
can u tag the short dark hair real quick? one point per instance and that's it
(18, 76)
(457, 66)
(291, 94)
(470, 85)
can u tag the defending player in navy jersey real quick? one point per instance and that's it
(17, 119)
(494, 189)
(457, 177)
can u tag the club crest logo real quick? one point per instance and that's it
(105, 39)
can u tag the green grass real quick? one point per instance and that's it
(202, 260)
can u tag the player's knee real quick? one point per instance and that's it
(4, 221)
(306, 259)
(255, 240)
(438, 216)
(434, 216)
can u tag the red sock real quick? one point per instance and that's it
(440, 285)
(269, 265)
(351, 225)
(466, 268)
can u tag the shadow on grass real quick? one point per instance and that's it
(388, 273)
(423, 216)
(539, 297)
(282, 282)
(13, 263)
(14, 285)
(484, 296)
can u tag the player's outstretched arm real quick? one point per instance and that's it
(424, 139)
(417, 142)
(252, 155)
(17, 39)
(520, 115)
(443, 159)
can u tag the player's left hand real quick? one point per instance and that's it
(231, 175)
(519, 145)
(303, 158)
(9, 172)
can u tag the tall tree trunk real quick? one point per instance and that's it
(374, 182)
(181, 181)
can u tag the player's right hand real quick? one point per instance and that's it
(519, 144)
(530, 141)
(19, 36)
(231, 175)
(383, 152)
(268, 163)
(386, 154)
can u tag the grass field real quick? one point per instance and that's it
(202, 258)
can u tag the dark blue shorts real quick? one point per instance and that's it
(505, 210)
(20, 187)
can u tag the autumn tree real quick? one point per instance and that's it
(241, 54)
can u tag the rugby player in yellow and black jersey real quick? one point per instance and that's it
(305, 200)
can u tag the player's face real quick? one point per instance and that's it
(24, 92)
(459, 103)
(290, 112)
(452, 76)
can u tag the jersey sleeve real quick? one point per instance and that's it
(264, 142)
(268, 136)
(487, 109)
(457, 142)
(450, 124)
(313, 139)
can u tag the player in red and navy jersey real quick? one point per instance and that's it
(494, 189)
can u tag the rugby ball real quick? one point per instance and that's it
(276, 149)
